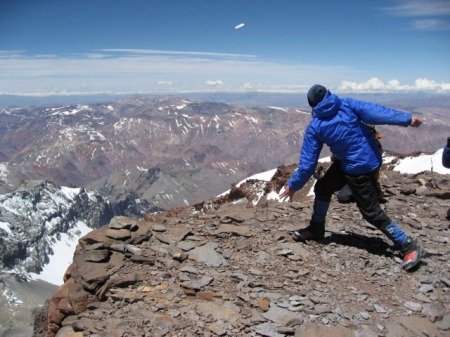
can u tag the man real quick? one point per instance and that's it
(342, 125)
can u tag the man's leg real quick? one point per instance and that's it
(332, 181)
(366, 194)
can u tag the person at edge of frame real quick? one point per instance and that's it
(446, 164)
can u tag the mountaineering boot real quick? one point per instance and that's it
(315, 231)
(412, 251)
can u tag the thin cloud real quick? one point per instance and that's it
(426, 15)
(174, 52)
(131, 71)
(164, 83)
(148, 72)
(420, 8)
(214, 83)
(431, 24)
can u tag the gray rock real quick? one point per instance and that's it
(268, 330)
(380, 309)
(197, 284)
(444, 324)
(159, 228)
(422, 298)
(430, 310)
(446, 281)
(295, 248)
(219, 328)
(189, 269)
(225, 311)
(322, 309)
(413, 306)
(97, 255)
(280, 316)
(186, 245)
(118, 234)
(235, 230)
(122, 222)
(426, 288)
(206, 254)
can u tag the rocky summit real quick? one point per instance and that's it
(229, 267)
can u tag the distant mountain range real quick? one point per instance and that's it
(148, 153)
(251, 99)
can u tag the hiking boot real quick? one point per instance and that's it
(412, 251)
(315, 231)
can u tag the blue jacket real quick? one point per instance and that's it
(339, 123)
(446, 154)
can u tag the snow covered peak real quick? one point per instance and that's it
(40, 220)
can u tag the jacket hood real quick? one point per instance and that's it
(328, 107)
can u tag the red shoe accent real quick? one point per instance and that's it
(413, 256)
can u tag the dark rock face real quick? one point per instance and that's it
(38, 213)
(229, 267)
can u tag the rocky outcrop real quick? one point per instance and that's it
(228, 267)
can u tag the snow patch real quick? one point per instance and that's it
(3, 171)
(74, 111)
(277, 108)
(69, 192)
(63, 250)
(424, 162)
(5, 227)
(303, 112)
(11, 297)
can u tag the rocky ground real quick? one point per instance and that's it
(230, 268)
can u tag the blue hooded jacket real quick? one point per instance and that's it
(339, 123)
(446, 154)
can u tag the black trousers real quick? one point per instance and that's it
(365, 189)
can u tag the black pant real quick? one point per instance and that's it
(365, 189)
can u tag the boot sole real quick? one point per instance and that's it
(413, 263)
(299, 238)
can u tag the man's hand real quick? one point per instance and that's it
(415, 122)
(287, 193)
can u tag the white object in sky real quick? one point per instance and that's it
(239, 26)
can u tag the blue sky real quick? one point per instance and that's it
(171, 46)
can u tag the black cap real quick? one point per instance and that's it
(316, 94)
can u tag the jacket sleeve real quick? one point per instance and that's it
(371, 113)
(308, 160)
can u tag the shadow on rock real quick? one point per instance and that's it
(372, 245)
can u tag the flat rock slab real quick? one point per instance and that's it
(207, 254)
(234, 229)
